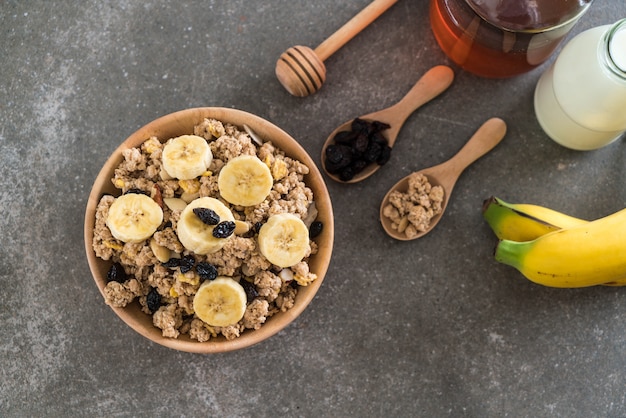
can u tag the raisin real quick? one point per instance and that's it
(224, 229)
(358, 165)
(116, 273)
(360, 125)
(206, 271)
(187, 263)
(379, 139)
(347, 156)
(136, 191)
(341, 156)
(315, 229)
(250, 290)
(172, 263)
(153, 300)
(344, 137)
(337, 157)
(346, 174)
(257, 227)
(380, 126)
(332, 168)
(373, 152)
(384, 155)
(334, 154)
(207, 216)
(361, 143)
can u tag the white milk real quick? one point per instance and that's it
(579, 101)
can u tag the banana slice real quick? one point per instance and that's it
(220, 302)
(134, 217)
(197, 236)
(284, 240)
(245, 181)
(186, 157)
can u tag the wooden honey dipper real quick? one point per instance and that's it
(301, 70)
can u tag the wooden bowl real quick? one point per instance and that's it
(180, 123)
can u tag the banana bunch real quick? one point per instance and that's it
(557, 250)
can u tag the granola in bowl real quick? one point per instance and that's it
(169, 228)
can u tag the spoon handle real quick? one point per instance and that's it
(434, 82)
(355, 25)
(484, 140)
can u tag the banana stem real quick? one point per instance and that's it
(510, 253)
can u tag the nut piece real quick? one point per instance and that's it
(241, 227)
(161, 253)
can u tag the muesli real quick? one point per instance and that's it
(411, 212)
(211, 232)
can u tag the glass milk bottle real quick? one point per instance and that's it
(580, 101)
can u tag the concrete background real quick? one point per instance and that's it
(433, 327)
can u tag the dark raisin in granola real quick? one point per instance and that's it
(136, 191)
(207, 216)
(224, 229)
(172, 263)
(187, 263)
(206, 271)
(116, 273)
(250, 290)
(153, 300)
(315, 229)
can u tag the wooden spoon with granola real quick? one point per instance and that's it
(416, 203)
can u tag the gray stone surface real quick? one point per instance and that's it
(433, 327)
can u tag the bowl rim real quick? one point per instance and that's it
(179, 123)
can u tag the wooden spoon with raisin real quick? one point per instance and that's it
(408, 226)
(358, 148)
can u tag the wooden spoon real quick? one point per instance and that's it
(434, 82)
(446, 174)
(301, 69)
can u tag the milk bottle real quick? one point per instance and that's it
(580, 101)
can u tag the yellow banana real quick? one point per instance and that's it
(524, 222)
(593, 253)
